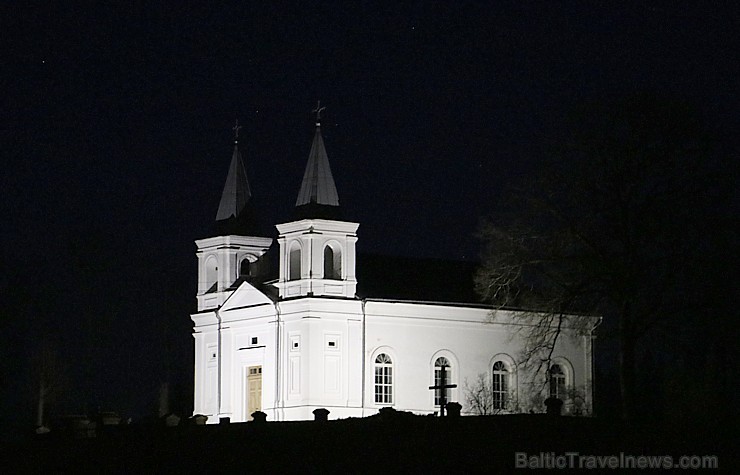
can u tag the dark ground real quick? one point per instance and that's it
(402, 444)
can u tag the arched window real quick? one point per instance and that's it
(294, 264)
(211, 274)
(383, 379)
(244, 268)
(440, 363)
(558, 382)
(332, 262)
(500, 385)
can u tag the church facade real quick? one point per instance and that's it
(302, 339)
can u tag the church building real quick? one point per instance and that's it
(284, 327)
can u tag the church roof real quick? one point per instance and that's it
(236, 212)
(236, 192)
(386, 277)
(415, 279)
(317, 188)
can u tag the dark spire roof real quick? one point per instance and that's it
(235, 214)
(318, 195)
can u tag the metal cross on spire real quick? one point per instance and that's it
(236, 130)
(318, 111)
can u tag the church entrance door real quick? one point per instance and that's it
(254, 390)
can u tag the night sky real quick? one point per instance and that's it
(116, 139)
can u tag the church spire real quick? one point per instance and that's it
(234, 213)
(318, 195)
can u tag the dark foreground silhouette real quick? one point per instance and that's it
(399, 443)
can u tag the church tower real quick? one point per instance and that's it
(317, 251)
(235, 254)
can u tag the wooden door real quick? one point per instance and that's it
(254, 390)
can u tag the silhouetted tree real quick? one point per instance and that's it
(49, 379)
(479, 396)
(611, 225)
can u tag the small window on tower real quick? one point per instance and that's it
(254, 340)
(332, 262)
(244, 268)
(294, 269)
(211, 275)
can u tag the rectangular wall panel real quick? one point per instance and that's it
(212, 390)
(332, 367)
(294, 377)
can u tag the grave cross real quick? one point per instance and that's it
(442, 388)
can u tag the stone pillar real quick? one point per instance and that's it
(259, 416)
(453, 409)
(554, 406)
(199, 419)
(171, 420)
(321, 414)
(387, 413)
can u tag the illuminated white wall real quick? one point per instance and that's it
(314, 356)
(415, 334)
(317, 343)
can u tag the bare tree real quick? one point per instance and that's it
(49, 380)
(535, 274)
(608, 227)
(481, 399)
(479, 396)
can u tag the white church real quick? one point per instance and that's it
(301, 338)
